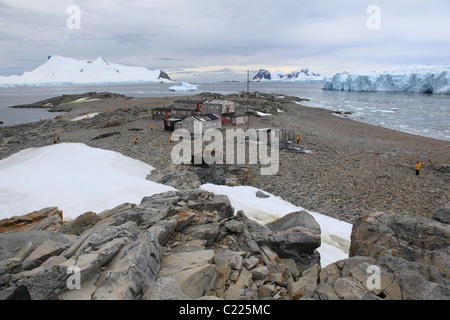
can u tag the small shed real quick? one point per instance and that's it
(234, 119)
(169, 124)
(204, 121)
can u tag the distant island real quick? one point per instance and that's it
(300, 75)
(59, 70)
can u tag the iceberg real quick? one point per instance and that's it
(59, 70)
(300, 75)
(418, 79)
(184, 87)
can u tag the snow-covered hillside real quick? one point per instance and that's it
(60, 70)
(300, 75)
(420, 79)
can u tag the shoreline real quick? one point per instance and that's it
(355, 168)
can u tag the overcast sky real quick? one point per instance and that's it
(203, 40)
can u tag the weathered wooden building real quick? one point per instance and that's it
(161, 113)
(217, 106)
(234, 119)
(184, 113)
(189, 104)
(201, 122)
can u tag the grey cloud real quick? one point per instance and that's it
(196, 33)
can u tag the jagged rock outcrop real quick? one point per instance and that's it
(262, 75)
(189, 244)
(415, 250)
(184, 244)
(44, 219)
(163, 75)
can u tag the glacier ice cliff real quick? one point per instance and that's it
(419, 80)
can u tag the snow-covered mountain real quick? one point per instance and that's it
(60, 70)
(300, 75)
(421, 79)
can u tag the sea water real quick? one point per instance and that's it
(421, 114)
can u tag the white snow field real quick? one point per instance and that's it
(184, 87)
(418, 79)
(59, 70)
(77, 178)
(74, 177)
(335, 234)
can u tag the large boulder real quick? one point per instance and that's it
(416, 239)
(193, 271)
(413, 250)
(295, 235)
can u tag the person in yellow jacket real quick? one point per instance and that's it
(417, 167)
(135, 140)
(298, 139)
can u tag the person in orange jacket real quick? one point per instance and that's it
(298, 139)
(417, 167)
(135, 140)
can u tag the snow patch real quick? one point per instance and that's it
(74, 177)
(85, 116)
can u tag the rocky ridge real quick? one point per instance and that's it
(189, 244)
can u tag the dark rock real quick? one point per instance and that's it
(81, 223)
(443, 215)
(20, 293)
(261, 194)
(300, 219)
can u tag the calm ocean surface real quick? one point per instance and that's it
(421, 114)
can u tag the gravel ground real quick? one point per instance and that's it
(353, 169)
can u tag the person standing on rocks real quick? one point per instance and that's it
(135, 140)
(151, 126)
(417, 167)
(298, 139)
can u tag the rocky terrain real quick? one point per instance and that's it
(350, 169)
(188, 244)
